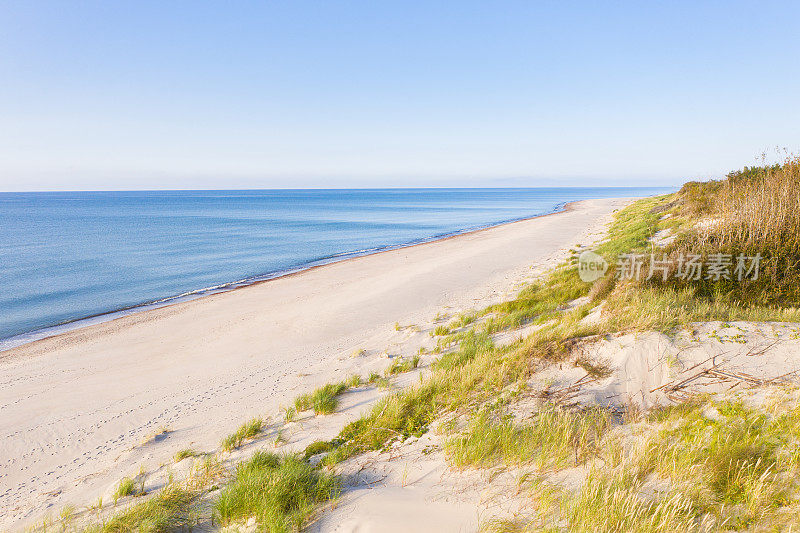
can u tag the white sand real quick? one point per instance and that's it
(76, 409)
(648, 369)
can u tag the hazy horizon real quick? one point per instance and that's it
(338, 188)
(187, 96)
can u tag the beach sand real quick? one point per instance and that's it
(79, 411)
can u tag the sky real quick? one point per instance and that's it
(215, 95)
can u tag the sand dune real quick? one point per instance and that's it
(76, 409)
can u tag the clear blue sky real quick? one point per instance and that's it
(167, 94)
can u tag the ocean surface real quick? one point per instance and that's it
(66, 256)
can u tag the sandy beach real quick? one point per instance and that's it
(77, 409)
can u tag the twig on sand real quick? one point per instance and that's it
(782, 378)
(736, 376)
(753, 353)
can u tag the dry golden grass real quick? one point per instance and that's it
(753, 211)
(761, 208)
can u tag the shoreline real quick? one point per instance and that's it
(81, 408)
(48, 332)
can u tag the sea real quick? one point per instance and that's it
(69, 259)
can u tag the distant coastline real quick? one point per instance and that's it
(19, 339)
(57, 329)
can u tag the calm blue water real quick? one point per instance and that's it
(67, 256)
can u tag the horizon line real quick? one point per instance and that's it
(341, 189)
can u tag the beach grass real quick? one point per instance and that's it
(324, 400)
(753, 211)
(614, 503)
(553, 438)
(441, 331)
(400, 365)
(378, 380)
(289, 414)
(180, 455)
(248, 430)
(126, 487)
(730, 470)
(171, 509)
(317, 447)
(281, 492)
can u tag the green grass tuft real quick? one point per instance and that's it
(401, 365)
(126, 487)
(440, 331)
(316, 447)
(352, 382)
(323, 400)
(183, 454)
(170, 510)
(378, 380)
(246, 431)
(280, 492)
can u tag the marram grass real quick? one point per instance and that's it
(281, 492)
(246, 431)
(553, 438)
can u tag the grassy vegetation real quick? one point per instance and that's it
(730, 471)
(753, 211)
(400, 365)
(280, 492)
(248, 430)
(323, 400)
(701, 466)
(126, 487)
(477, 374)
(66, 516)
(461, 380)
(538, 302)
(707, 465)
(378, 380)
(184, 453)
(171, 509)
(440, 331)
(317, 447)
(289, 414)
(541, 301)
(614, 503)
(463, 320)
(554, 438)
